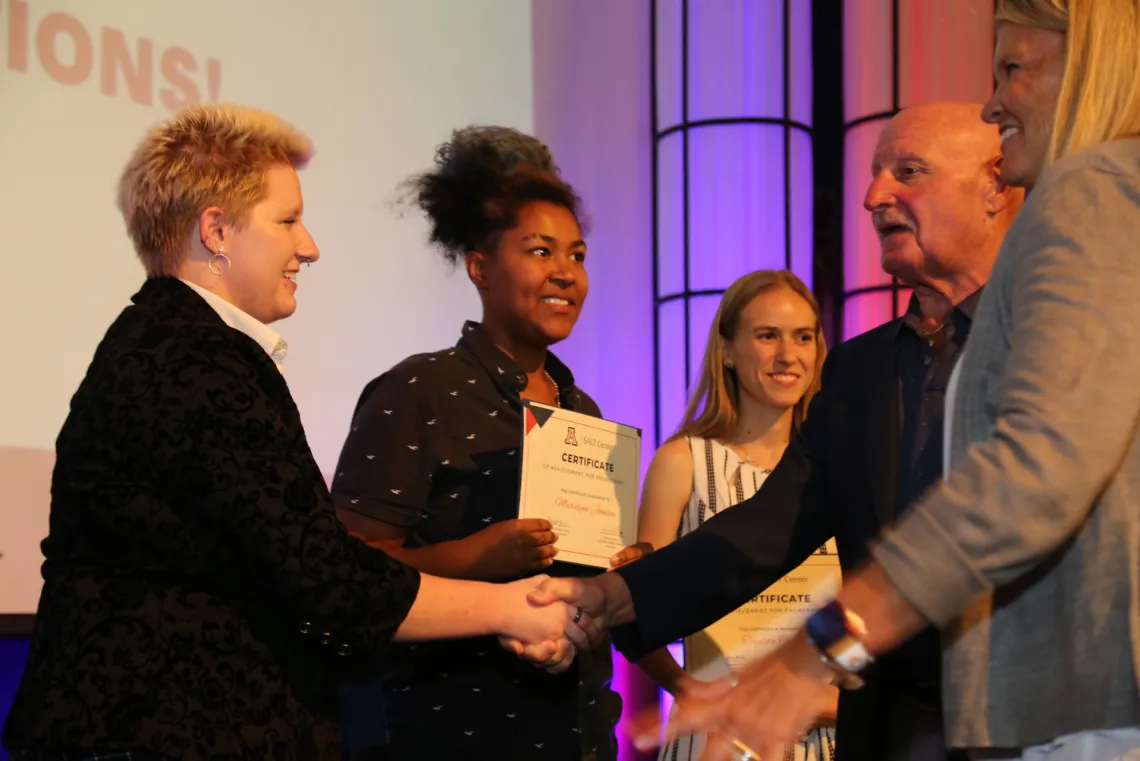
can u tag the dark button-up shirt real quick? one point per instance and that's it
(923, 366)
(435, 447)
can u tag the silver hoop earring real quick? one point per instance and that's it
(214, 263)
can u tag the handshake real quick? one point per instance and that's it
(544, 620)
(553, 619)
(768, 704)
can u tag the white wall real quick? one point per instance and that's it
(377, 84)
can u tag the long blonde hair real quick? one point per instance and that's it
(1100, 91)
(714, 407)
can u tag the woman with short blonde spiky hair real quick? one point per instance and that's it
(206, 192)
(217, 155)
(200, 598)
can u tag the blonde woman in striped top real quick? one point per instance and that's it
(760, 369)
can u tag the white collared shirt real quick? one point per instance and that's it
(948, 414)
(266, 337)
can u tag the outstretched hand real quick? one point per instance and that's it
(772, 703)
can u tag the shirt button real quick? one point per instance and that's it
(326, 638)
(344, 649)
(926, 360)
(305, 627)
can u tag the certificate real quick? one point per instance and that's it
(581, 473)
(767, 620)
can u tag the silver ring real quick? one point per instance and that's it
(578, 616)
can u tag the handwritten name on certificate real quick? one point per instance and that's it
(581, 473)
(767, 620)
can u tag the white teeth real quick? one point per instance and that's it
(291, 276)
(555, 301)
(786, 377)
(1009, 132)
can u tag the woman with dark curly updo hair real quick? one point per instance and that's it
(430, 469)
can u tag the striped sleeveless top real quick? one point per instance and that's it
(722, 479)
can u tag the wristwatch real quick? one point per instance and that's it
(838, 634)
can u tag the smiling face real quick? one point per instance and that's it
(933, 191)
(773, 351)
(534, 284)
(1029, 65)
(266, 250)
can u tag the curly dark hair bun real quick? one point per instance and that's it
(483, 175)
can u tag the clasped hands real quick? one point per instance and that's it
(548, 634)
(565, 615)
(770, 702)
(549, 631)
(578, 604)
(571, 614)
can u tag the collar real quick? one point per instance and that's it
(960, 318)
(265, 337)
(505, 370)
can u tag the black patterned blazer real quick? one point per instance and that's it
(200, 598)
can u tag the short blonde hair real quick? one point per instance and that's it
(714, 407)
(207, 155)
(1100, 92)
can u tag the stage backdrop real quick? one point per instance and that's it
(377, 84)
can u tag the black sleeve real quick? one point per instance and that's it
(708, 573)
(383, 471)
(235, 463)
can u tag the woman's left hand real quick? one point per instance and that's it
(775, 700)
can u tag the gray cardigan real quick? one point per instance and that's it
(1028, 554)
